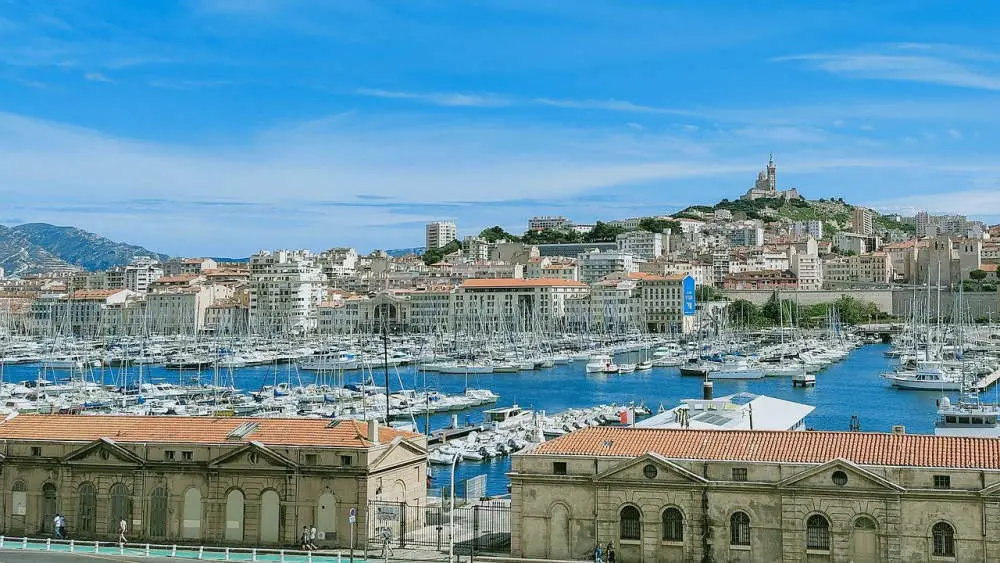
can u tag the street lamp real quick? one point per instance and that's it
(451, 534)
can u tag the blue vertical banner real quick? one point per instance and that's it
(690, 303)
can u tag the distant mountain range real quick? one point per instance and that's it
(39, 247)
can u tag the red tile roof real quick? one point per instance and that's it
(863, 448)
(482, 283)
(192, 429)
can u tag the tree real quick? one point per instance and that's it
(434, 255)
(654, 225)
(704, 293)
(603, 232)
(745, 313)
(550, 236)
(496, 233)
(978, 275)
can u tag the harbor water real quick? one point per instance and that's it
(852, 387)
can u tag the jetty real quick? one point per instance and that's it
(986, 382)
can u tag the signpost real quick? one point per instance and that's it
(352, 518)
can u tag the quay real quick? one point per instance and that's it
(986, 382)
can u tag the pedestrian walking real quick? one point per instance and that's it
(598, 554)
(611, 552)
(122, 530)
(56, 527)
(312, 538)
(62, 527)
(304, 541)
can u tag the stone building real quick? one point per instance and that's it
(225, 480)
(757, 496)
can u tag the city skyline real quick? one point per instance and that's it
(221, 127)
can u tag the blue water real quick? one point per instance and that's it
(851, 387)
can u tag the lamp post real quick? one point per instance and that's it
(451, 533)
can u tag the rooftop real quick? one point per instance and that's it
(863, 448)
(193, 430)
(503, 283)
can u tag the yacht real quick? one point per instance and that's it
(928, 376)
(598, 363)
(968, 417)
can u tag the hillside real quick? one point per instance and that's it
(40, 247)
(836, 214)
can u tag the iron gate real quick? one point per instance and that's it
(479, 527)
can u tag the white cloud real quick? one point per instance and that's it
(440, 98)
(97, 77)
(913, 62)
(978, 202)
(955, 133)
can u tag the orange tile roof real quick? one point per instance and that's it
(988, 267)
(192, 429)
(94, 293)
(864, 448)
(179, 278)
(511, 283)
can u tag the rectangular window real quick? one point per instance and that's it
(187, 456)
(36, 451)
(739, 474)
(942, 482)
(346, 460)
(168, 455)
(310, 459)
(559, 468)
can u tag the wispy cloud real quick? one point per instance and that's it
(180, 84)
(447, 99)
(489, 100)
(912, 62)
(97, 77)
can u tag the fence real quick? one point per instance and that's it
(480, 527)
(212, 553)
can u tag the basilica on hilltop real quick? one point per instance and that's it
(767, 185)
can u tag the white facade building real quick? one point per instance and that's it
(440, 233)
(643, 244)
(548, 222)
(595, 264)
(285, 288)
(813, 228)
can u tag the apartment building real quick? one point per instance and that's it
(553, 268)
(812, 228)
(863, 221)
(701, 272)
(337, 263)
(285, 288)
(182, 266)
(513, 302)
(86, 312)
(668, 302)
(808, 270)
(179, 304)
(596, 264)
(440, 233)
(549, 222)
(136, 276)
(227, 317)
(765, 279)
(642, 244)
(867, 268)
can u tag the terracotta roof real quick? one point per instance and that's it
(514, 283)
(180, 278)
(193, 429)
(94, 293)
(865, 448)
(988, 267)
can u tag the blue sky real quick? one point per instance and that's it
(220, 127)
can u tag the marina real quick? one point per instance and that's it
(457, 403)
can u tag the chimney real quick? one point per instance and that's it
(373, 431)
(706, 390)
(898, 429)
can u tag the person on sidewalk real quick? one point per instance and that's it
(304, 541)
(62, 527)
(598, 554)
(122, 529)
(56, 526)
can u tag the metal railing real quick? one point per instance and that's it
(480, 527)
(213, 553)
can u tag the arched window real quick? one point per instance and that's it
(739, 529)
(630, 522)
(19, 499)
(944, 539)
(818, 533)
(86, 520)
(673, 525)
(121, 507)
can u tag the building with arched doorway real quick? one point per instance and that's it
(757, 496)
(205, 480)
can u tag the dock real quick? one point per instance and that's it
(985, 382)
(442, 435)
